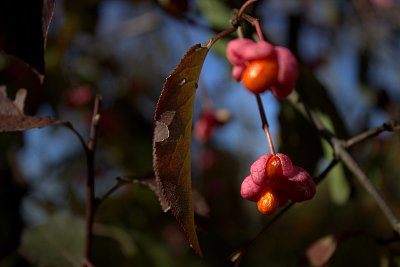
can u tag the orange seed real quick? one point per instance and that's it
(268, 201)
(260, 75)
(274, 167)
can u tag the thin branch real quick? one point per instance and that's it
(114, 188)
(389, 126)
(78, 135)
(237, 256)
(89, 148)
(352, 165)
(339, 147)
(124, 180)
(264, 123)
(240, 15)
(325, 172)
(219, 36)
(90, 186)
(244, 6)
(295, 99)
(256, 24)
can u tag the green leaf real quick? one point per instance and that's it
(172, 136)
(59, 242)
(339, 187)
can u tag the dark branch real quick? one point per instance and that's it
(90, 185)
(389, 126)
(339, 147)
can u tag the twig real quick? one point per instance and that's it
(323, 174)
(264, 123)
(90, 190)
(339, 148)
(295, 99)
(115, 187)
(253, 21)
(256, 24)
(237, 256)
(389, 126)
(352, 165)
(219, 36)
(77, 134)
(89, 148)
(244, 6)
(124, 180)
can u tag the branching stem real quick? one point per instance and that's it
(89, 147)
(389, 126)
(90, 184)
(124, 180)
(339, 148)
(219, 36)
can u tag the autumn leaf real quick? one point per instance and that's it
(172, 135)
(12, 116)
(23, 30)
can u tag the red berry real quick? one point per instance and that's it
(260, 75)
(268, 201)
(205, 126)
(79, 96)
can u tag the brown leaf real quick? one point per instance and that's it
(23, 30)
(12, 116)
(172, 135)
(321, 251)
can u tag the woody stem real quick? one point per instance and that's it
(264, 124)
(256, 24)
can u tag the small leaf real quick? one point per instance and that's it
(339, 188)
(23, 30)
(59, 242)
(12, 116)
(321, 251)
(172, 136)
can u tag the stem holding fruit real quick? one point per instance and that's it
(264, 124)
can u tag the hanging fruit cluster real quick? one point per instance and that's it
(261, 67)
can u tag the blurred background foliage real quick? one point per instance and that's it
(124, 50)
